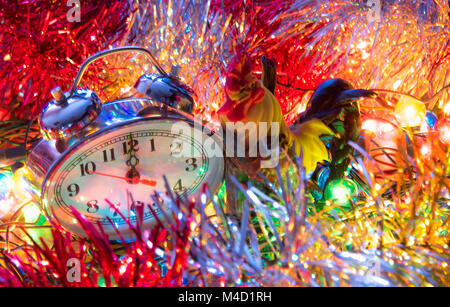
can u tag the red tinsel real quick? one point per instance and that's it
(99, 263)
(40, 48)
(297, 72)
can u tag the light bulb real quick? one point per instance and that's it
(22, 188)
(340, 191)
(31, 213)
(443, 127)
(7, 202)
(410, 112)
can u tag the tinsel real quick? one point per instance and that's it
(369, 245)
(41, 47)
(309, 41)
(392, 231)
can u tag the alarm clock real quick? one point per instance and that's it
(106, 158)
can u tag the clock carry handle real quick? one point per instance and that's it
(101, 54)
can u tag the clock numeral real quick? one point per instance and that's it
(155, 208)
(92, 206)
(88, 168)
(176, 148)
(111, 155)
(115, 208)
(192, 166)
(133, 207)
(130, 145)
(73, 189)
(178, 187)
(152, 144)
(115, 212)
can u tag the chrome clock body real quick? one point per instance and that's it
(103, 160)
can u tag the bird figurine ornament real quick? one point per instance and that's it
(332, 113)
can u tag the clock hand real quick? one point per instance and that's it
(132, 180)
(132, 161)
(132, 158)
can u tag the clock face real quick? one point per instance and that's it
(122, 167)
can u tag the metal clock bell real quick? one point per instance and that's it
(97, 155)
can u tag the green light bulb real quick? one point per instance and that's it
(339, 191)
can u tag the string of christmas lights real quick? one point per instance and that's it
(385, 224)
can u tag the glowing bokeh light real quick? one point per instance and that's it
(340, 191)
(410, 112)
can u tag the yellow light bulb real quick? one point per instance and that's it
(31, 213)
(410, 112)
(22, 187)
(447, 109)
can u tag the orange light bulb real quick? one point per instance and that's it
(443, 127)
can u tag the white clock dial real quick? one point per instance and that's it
(123, 167)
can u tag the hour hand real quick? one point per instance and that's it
(132, 161)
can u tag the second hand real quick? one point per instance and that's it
(134, 180)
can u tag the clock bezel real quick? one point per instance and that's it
(171, 115)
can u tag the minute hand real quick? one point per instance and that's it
(132, 158)
(132, 161)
